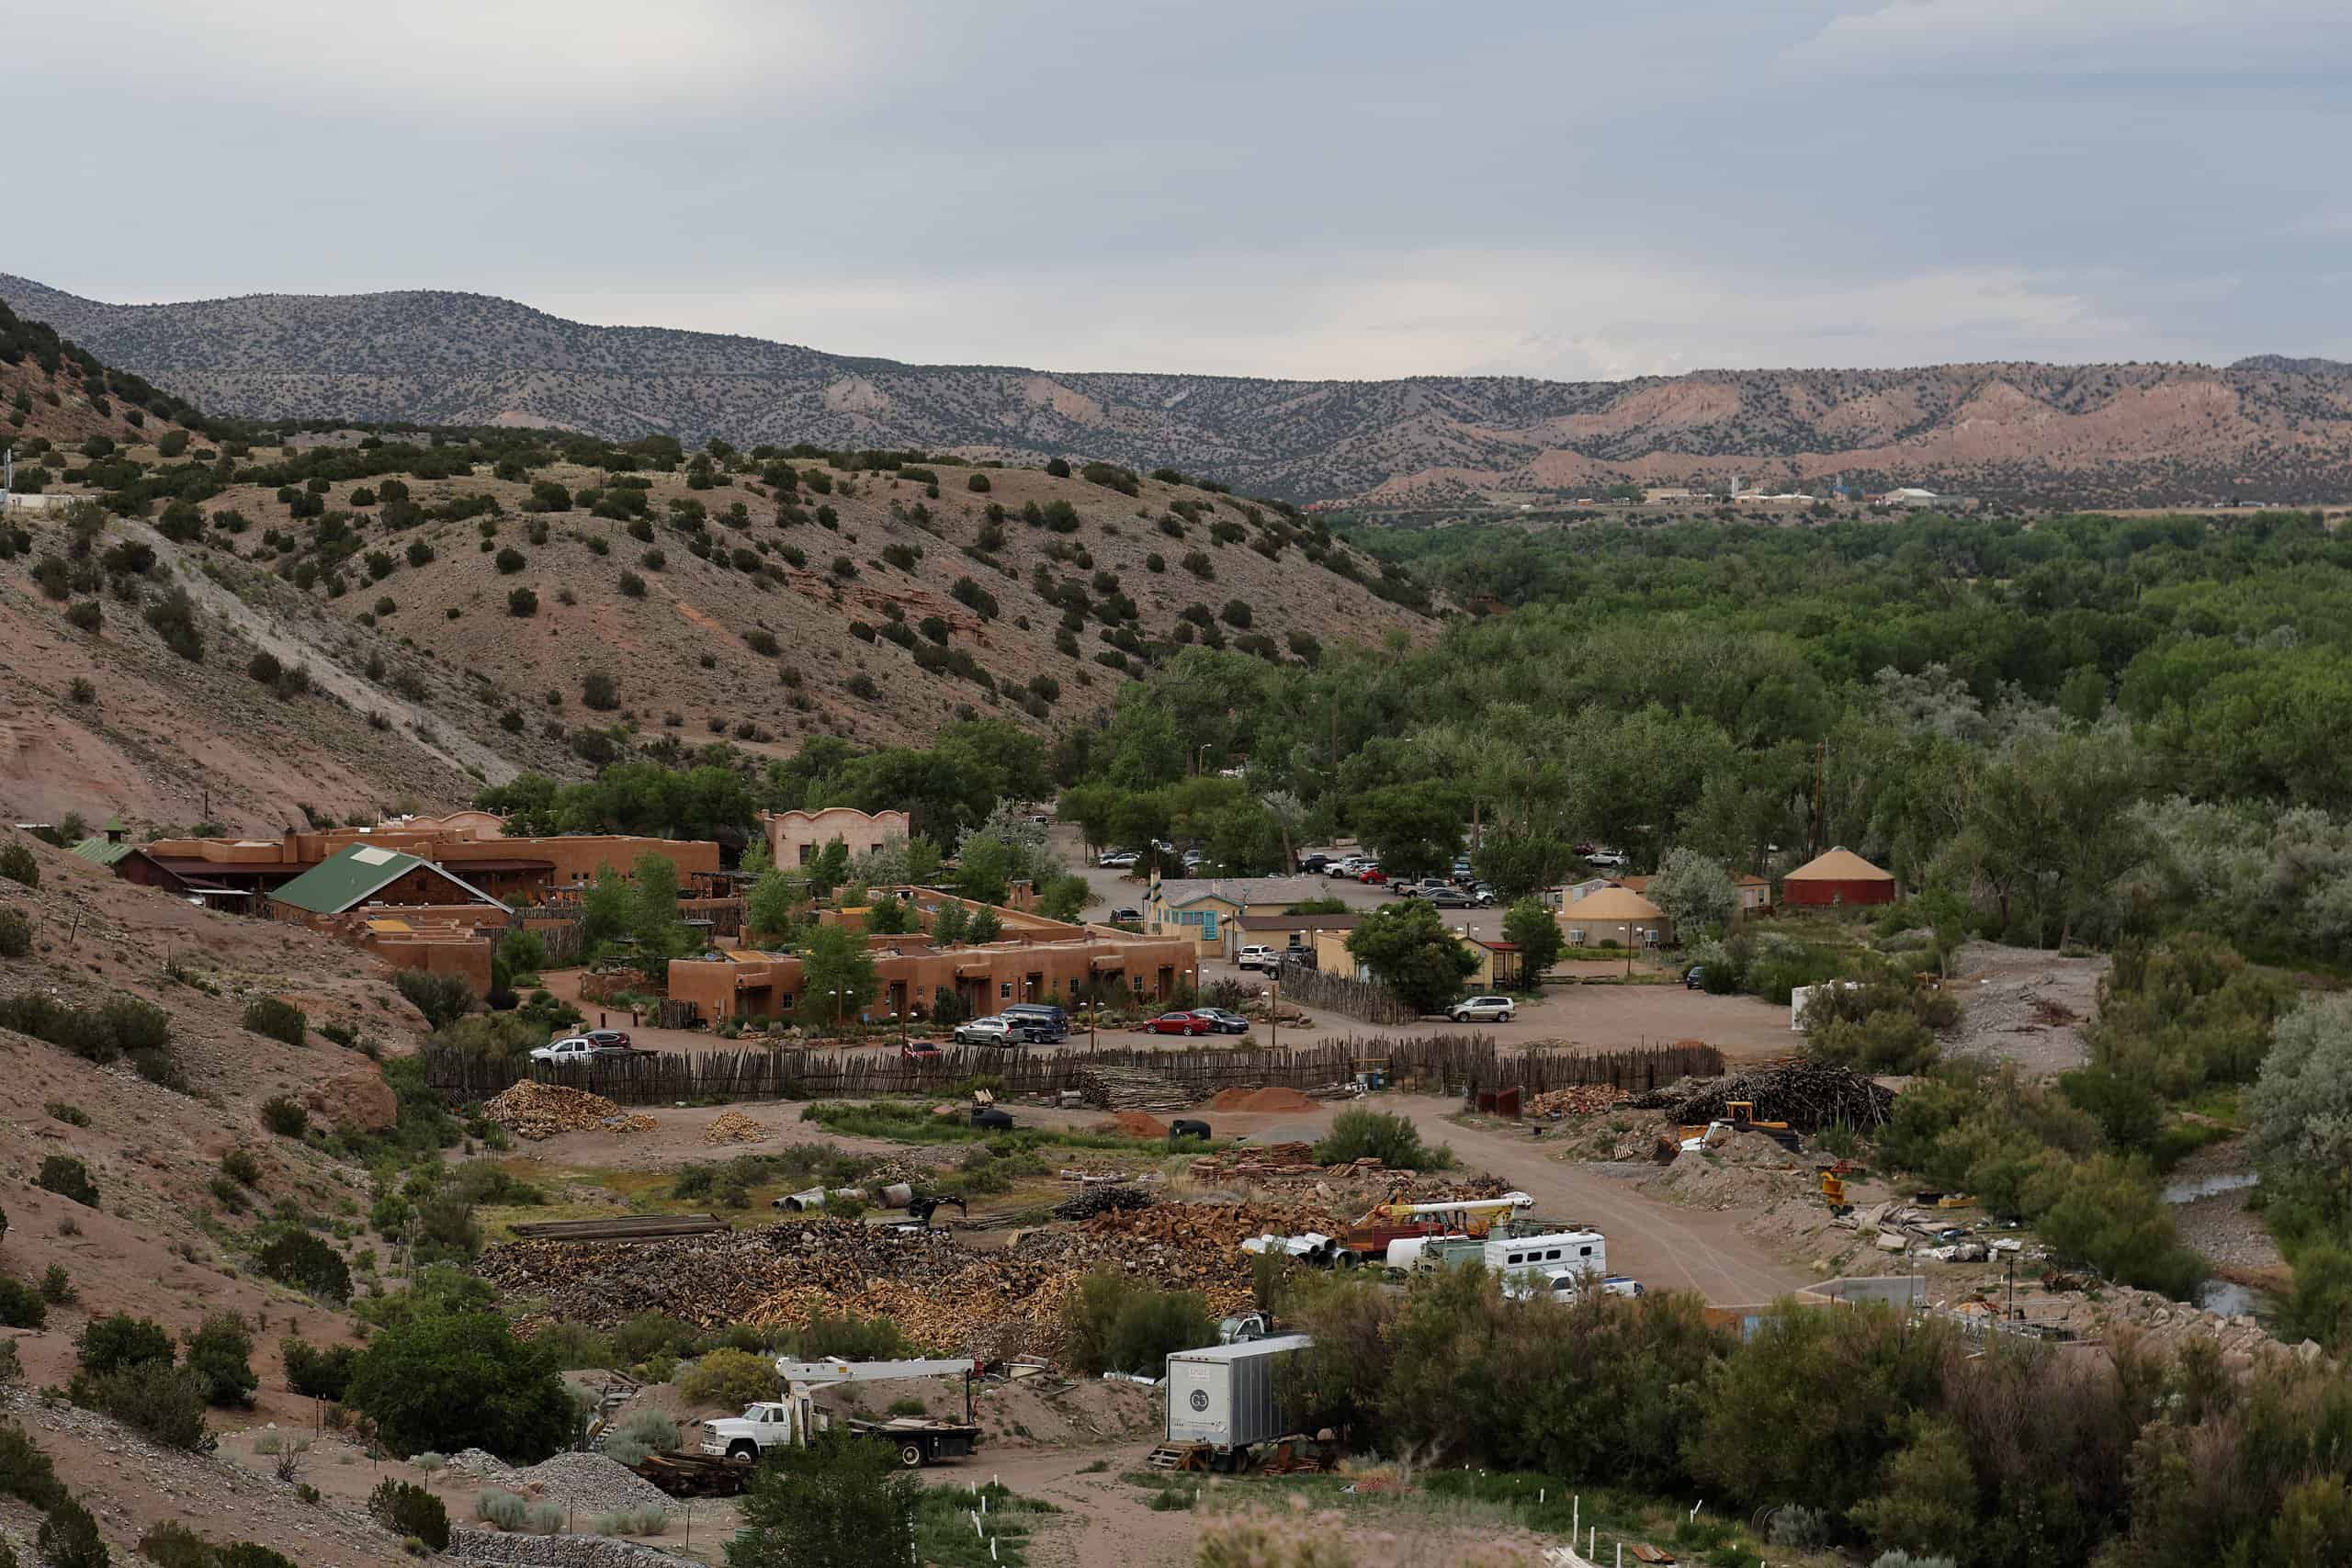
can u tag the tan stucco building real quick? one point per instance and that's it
(795, 837)
(1615, 915)
(1037, 960)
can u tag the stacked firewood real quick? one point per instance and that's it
(1806, 1095)
(531, 1109)
(1576, 1100)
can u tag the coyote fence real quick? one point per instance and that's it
(1446, 1062)
(1360, 999)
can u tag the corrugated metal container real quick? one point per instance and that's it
(1225, 1394)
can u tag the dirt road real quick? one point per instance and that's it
(1664, 1247)
(1104, 1522)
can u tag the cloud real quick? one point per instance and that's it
(519, 62)
(2049, 38)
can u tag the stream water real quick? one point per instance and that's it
(2188, 1189)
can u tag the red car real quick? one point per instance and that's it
(918, 1050)
(1372, 875)
(1179, 1024)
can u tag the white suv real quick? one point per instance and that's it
(1253, 957)
(1483, 1010)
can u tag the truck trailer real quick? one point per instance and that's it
(1224, 1398)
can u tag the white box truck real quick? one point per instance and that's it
(1226, 1396)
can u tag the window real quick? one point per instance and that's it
(1208, 925)
(1005, 991)
(1584, 1252)
(1576, 936)
(1552, 1256)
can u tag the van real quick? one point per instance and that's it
(1045, 1021)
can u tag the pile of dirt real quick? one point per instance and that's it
(1281, 1100)
(1746, 1170)
(1136, 1124)
(532, 1110)
(733, 1127)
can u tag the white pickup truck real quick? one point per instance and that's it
(573, 1050)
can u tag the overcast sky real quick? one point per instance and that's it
(1282, 187)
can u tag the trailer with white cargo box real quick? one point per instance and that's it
(1226, 1400)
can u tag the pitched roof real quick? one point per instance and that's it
(99, 851)
(355, 874)
(1346, 922)
(1840, 864)
(1612, 904)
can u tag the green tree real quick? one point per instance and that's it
(774, 900)
(607, 909)
(886, 915)
(950, 922)
(1064, 897)
(1695, 893)
(1415, 830)
(459, 1380)
(836, 974)
(221, 1351)
(841, 1502)
(985, 868)
(1408, 949)
(828, 867)
(654, 905)
(986, 926)
(1531, 926)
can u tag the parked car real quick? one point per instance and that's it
(1695, 978)
(607, 1037)
(1347, 865)
(1005, 1031)
(1119, 859)
(1298, 957)
(1126, 915)
(919, 1051)
(1373, 876)
(1310, 866)
(1450, 898)
(1483, 1010)
(1179, 1024)
(1226, 1022)
(1192, 859)
(575, 1050)
(1046, 1023)
(1253, 957)
(1606, 857)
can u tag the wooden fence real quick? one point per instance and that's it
(1360, 999)
(1450, 1063)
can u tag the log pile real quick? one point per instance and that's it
(1805, 1095)
(733, 1127)
(1102, 1201)
(1576, 1100)
(531, 1109)
(1132, 1088)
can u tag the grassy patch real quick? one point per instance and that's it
(943, 1533)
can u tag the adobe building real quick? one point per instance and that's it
(795, 837)
(1207, 912)
(1035, 960)
(522, 870)
(370, 876)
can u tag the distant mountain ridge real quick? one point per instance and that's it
(2272, 427)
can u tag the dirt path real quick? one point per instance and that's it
(1104, 1522)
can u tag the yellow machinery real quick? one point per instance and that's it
(1833, 1189)
(1742, 1114)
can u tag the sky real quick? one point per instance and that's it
(1559, 188)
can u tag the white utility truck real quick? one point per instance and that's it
(787, 1422)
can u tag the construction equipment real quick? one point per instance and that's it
(1832, 1189)
(1369, 1239)
(922, 1205)
(789, 1422)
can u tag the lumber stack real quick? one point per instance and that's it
(1132, 1088)
(1577, 1099)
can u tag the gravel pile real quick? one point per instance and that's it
(494, 1471)
(590, 1483)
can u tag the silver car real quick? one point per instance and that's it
(1483, 1010)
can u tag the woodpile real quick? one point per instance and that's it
(531, 1109)
(1132, 1088)
(1805, 1095)
(1102, 1201)
(1577, 1099)
(946, 1299)
(733, 1127)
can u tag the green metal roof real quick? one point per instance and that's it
(99, 851)
(354, 874)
